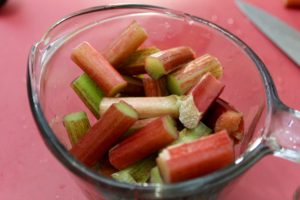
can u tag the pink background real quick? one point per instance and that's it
(27, 168)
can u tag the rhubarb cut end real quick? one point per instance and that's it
(161, 161)
(76, 125)
(127, 109)
(189, 115)
(154, 67)
(173, 85)
(217, 70)
(75, 116)
(233, 123)
(170, 126)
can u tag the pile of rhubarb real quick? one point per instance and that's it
(159, 115)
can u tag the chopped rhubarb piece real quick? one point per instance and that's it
(125, 44)
(155, 176)
(134, 87)
(146, 107)
(135, 63)
(136, 173)
(218, 107)
(88, 91)
(146, 141)
(166, 61)
(154, 88)
(222, 115)
(232, 122)
(76, 124)
(104, 133)
(183, 79)
(187, 135)
(98, 69)
(196, 158)
(201, 96)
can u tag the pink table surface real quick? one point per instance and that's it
(29, 171)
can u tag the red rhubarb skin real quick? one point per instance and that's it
(98, 68)
(206, 91)
(199, 157)
(172, 59)
(102, 136)
(125, 44)
(146, 141)
(153, 87)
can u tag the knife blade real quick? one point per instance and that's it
(281, 34)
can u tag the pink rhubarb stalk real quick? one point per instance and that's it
(196, 158)
(125, 44)
(146, 141)
(98, 69)
(104, 133)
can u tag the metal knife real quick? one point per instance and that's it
(281, 34)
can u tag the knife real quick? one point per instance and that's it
(281, 34)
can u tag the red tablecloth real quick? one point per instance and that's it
(27, 168)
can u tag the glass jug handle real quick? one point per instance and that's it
(284, 133)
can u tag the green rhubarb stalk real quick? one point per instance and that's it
(88, 91)
(155, 176)
(136, 173)
(76, 125)
(187, 135)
